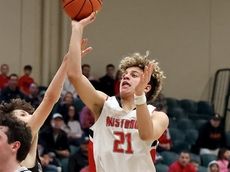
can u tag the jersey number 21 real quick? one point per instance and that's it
(123, 139)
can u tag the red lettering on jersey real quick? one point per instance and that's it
(121, 123)
(109, 121)
(117, 122)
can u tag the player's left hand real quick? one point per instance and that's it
(144, 79)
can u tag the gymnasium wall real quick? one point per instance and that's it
(190, 39)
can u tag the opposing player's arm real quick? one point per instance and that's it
(51, 96)
(92, 98)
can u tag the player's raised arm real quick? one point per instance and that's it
(52, 95)
(150, 126)
(89, 95)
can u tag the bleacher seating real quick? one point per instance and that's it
(161, 167)
(186, 117)
(185, 124)
(206, 158)
(202, 169)
(169, 157)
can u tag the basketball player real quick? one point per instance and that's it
(125, 127)
(24, 111)
(15, 142)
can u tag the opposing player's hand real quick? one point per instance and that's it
(144, 79)
(84, 47)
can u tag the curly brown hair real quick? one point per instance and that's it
(138, 60)
(16, 104)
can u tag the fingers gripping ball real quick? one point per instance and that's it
(79, 9)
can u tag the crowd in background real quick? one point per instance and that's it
(68, 126)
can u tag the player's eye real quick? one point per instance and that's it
(23, 114)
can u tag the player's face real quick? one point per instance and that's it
(4, 145)
(130, 79)
(22, 115)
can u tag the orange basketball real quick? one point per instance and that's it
(79, 9)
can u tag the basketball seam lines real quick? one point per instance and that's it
(91, 5)
(80, 9)
(69, 3)
(99, 2)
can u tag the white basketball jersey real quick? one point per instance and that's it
(117, 145)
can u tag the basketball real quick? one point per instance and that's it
(79, 9)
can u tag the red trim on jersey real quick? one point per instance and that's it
(153, 154)
(92, 167)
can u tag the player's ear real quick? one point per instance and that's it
(148, 88)
(15, 146)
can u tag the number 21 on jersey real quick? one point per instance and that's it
(122, 140)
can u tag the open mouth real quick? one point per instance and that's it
(125, 83)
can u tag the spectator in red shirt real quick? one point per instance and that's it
(183, 164)
(4, 76)
(26, 80)
(11, 91)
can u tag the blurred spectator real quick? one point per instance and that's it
(196, 164)
(12, 90)
(79, 160)
(223, 159)
(25, 80)
(107, 81)
(4, 76)
(54, 140)
(48, 161)
(86, 120)
(213, 167)
(68, 87)
(62, 107)
(86, 71)
(211, 136)
(34, 97)
(182, 164)
(86, 68)
(79, 105)
(117, 82)
(74, 131)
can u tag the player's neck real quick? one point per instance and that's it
(9, 166)
(127, 104)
